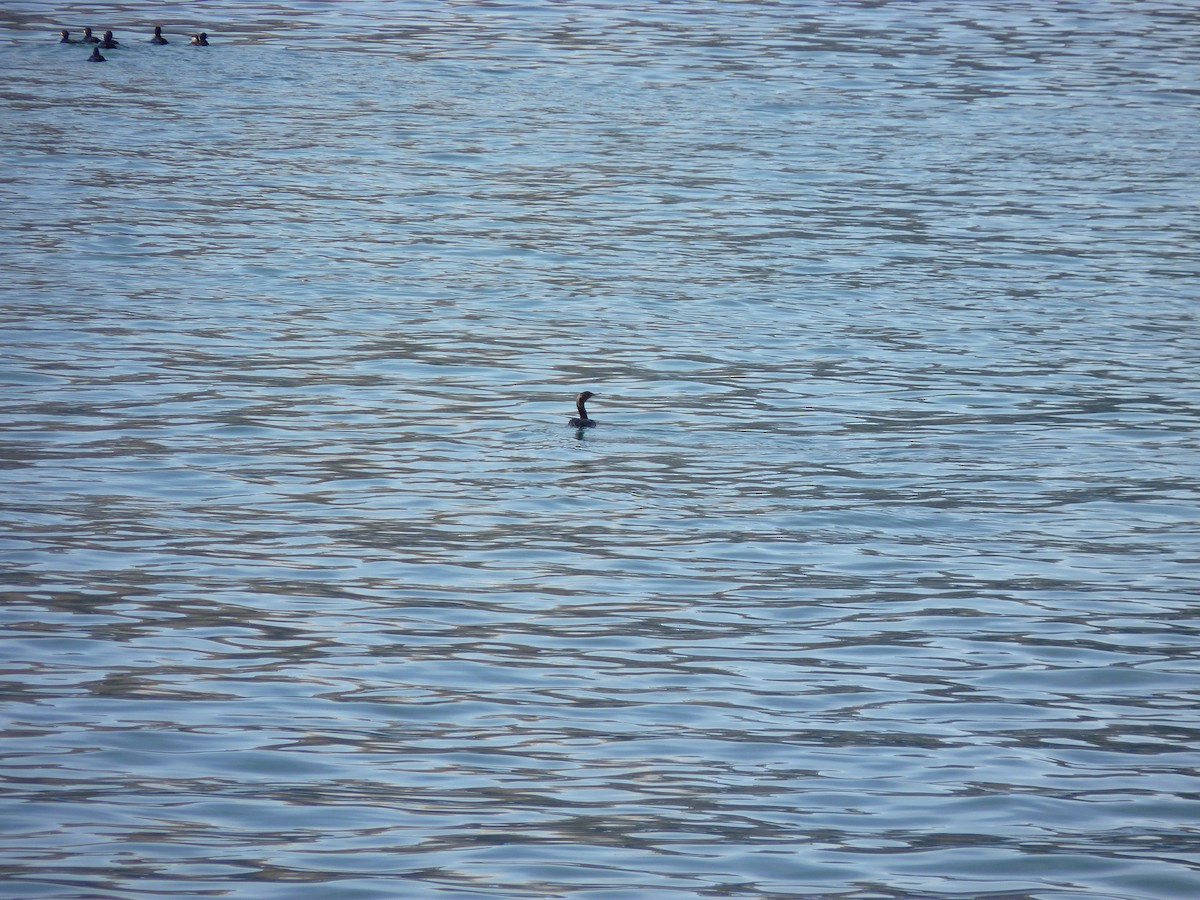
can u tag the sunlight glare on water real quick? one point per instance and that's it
(876, 580)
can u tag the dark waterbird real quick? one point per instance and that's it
(88, 37)
(96, 57)
(199, 40)
(109, 41)
(158, 38)
(64, 37)
(582, 421)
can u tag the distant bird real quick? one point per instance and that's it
(158, 38)
(88, 37)
(199, 40)
(96, 57)
(583, 421)
(109, 41)
(65, 38)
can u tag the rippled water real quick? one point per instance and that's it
(878, 579)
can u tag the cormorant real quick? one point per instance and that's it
(582, 421)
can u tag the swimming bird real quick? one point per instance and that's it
(158, 38)
(88, 37)
(109, 41)
(583, 421)
(65, 38)
(199, 40)
(96, 57)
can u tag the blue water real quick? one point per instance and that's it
(877, 580)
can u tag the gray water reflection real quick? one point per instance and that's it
(877, 579)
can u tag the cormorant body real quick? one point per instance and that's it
(583, 421)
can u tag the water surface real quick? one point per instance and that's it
(877, 579)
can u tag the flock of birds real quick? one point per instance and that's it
(108, 42)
